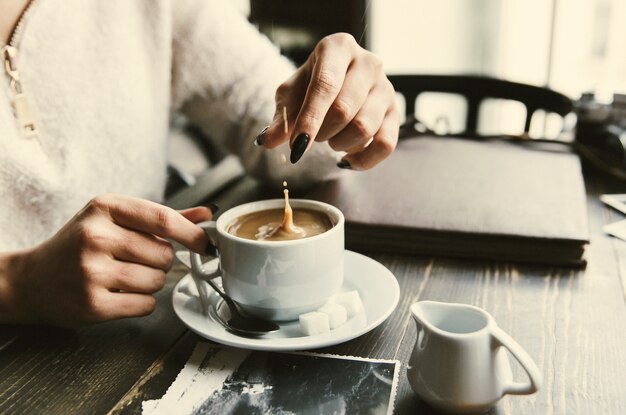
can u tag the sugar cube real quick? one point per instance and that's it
(351, 300)
(314, 322)
(337, 314)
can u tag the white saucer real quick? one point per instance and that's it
(376, 285)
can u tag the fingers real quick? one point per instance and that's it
(304, 99)
(289, 97)
(327, 76)
(362, 127)
(136, 278)
(136, 283)
(141, 248)
(383, 143)
(354, 94)
(152, 218)
(107, 260)
(199, 213)
(341, 94)
(126, 304)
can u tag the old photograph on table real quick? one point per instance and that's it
(222, 380)
(616, 201)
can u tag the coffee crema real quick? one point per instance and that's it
(267, 225)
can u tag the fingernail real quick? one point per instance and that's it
(298, 147)
(211, 249)
(344, 164)
(213, 207)
(258, 141)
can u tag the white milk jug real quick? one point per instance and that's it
(459, 363)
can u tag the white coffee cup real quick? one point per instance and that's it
(279, 280)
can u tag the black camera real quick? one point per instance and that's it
(601, 132)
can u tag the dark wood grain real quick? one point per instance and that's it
(572, 322)
(158, 377)
(56, 371)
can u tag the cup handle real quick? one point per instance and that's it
(198, 273)
(524, 359)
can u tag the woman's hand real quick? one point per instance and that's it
(340, 95)
(104, 264)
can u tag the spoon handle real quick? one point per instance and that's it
(227, 299)
(200, 274)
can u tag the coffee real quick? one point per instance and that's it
(267, 225)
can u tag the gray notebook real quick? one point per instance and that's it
(458, 197)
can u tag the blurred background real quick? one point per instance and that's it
(572, 46)
(569, 45)
(575, 47)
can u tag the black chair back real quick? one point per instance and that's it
(475, 89)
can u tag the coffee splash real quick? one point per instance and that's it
(285, 230)
(280, 224)
(288, 225)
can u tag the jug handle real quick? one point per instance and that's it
(524, 359)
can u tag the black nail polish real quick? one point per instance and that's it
(258, 141)
(344, 164)
(211, 250)
(213, 207)
(298, 147)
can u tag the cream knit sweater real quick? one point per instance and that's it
(104, 79)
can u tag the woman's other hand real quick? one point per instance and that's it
(340, 95)
(104, 264)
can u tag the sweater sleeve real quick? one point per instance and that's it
(224, 78)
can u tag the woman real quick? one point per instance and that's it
(92, 87)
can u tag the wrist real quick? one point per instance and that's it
(11, 268)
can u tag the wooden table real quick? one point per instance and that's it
(572, 322)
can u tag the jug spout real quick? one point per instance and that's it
(449, 319)
(417, 311)
(423, 311)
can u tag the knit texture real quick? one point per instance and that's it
(104, 79)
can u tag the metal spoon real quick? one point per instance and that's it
(238, 323)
